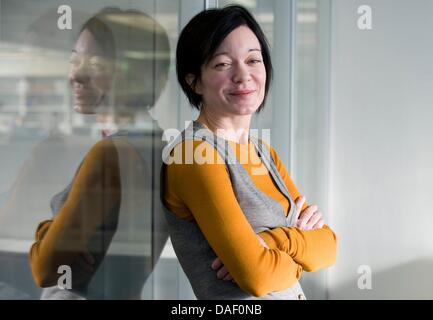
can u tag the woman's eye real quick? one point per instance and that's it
(255, 61)
(73, 60)
(222, 65)
(99, 65)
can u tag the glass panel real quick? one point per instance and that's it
(310, 114)
(272, 17)
(80, 139)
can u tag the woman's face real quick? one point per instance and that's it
(233, 82)
(90, 74)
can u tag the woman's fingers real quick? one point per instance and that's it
(84, 265)
(216, 264)
(316, 217)
(228, 277)
(319, 224)
(88, 258)
(262, 242)
(222, 273)
(299, 202)
(305, 216)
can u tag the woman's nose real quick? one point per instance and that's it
(80, 73)
(241, 73)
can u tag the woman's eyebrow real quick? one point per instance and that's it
(219, 54)
(226, 53)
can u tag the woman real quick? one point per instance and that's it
(238, 219)
(113, 199)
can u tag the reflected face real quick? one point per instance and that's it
(233, 82)
(90, 74)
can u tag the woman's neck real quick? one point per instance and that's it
(107, 124)
(229, 128)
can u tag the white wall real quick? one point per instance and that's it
(381, 173)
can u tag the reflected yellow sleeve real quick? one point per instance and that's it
(93, 195)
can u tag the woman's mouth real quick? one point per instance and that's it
(242, 93)
(82, 94)
(79, 93)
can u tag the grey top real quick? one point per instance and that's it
(263, 213)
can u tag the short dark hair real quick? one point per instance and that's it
(202, 36)
(142, 78)
(102, 34)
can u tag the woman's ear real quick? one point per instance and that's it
(195, 85)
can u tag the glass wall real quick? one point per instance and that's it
(310, 125)
(275, 18)
(51, 70)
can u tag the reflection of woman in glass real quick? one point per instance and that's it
(224, 210)
(107, 225)
(92, 67)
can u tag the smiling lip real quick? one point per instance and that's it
(241, 93)
(80, 93)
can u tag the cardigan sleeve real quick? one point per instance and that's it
(206, 191)
(312, 249)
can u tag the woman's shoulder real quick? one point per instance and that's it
(192, 143)
(192, 152)
(271, 149)
(104, 150)
(103, 144)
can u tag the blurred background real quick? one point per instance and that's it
(349, 115)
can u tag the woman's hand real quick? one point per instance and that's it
(222, 272)
(86, 262)
(309, 218)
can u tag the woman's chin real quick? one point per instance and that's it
(246, 110)
(84, 109)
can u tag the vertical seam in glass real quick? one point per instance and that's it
(328, 105)
(152, 200)
(292, 86)
(180, 91)
(208, 4)
(179, 111)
